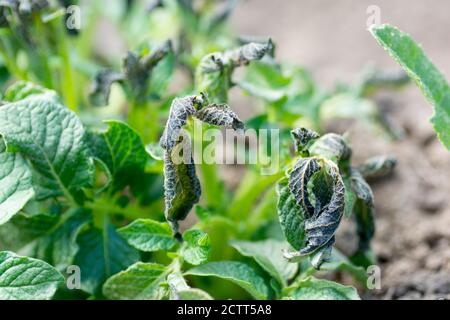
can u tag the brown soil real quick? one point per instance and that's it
(413, 206)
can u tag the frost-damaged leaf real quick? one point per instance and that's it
(102, 87)
(182, 190)
(141, 281)
(59, 245)
(321, 227)
(298, 183)
(148, 235)
(197, 247)
(53, 139)
(182, 187)
(331, 146)
(364, 210)
(318, 289)
(236, 272)
(302, 137)
(138, 69)
(269, 255)
(214, 72)
(121, 149)
(23, 278)
(291, 215)
(320, 193)
(220, 115)
(429, 79)
(101, 254)
(15, 183)
(180, 110)
(378, 167)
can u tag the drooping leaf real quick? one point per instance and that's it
(23, 278)
(138, 69)
(101, 254)
(220, 115)
(318, 289)
(236, 272)
(148, 235)
(197, 247)
(121, 149)
(102, 87)
(214, 72)
(364, 211)
(53, 139)
(16, 184)
(182, 190)
(378, 167)
(141, 281)
(269, 255)
(429, 79)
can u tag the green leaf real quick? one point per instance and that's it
(193, 294)
(148, 235)
(291, 215)
(429, 79)
(318, 289)
(181, 291)
(141, 281)
(236, 272)
(23, 278)
(197, 247)
(52, 138)
(339, 262)
(59, 246)
(269, 255)
(121, 149)
(15, 184)
(21, 90)
(101, 254)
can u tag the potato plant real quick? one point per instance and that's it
(95, 189)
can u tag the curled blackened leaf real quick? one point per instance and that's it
(220, 115)
(322, 226)
(317, 190)
(27, 7)
(364, 210)
(302, 137)
(180, 111)
(378, 167)
(138, 69)
(245, 39)
(102, 86)
(248, 53)
(331, 146)
(182, 190)
(298, 182)
(214, 72)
